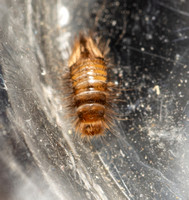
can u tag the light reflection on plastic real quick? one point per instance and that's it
(63, 16)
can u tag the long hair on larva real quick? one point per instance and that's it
(91, 97)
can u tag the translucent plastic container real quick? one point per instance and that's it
(41, 157)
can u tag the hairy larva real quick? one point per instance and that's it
(91, 100)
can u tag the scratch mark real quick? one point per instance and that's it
(127, 189)
(182, 29)
(112, 176)
(174, 9)
(156, 55)
(160, 112)
(180, 39)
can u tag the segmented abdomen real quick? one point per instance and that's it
(89, 82)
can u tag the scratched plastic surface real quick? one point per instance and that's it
(40, 157)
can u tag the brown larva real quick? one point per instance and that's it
(92, 92)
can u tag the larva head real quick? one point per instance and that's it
(91, 129)
(89, 113)
(90, 119)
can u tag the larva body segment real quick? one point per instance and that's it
(91, 92)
